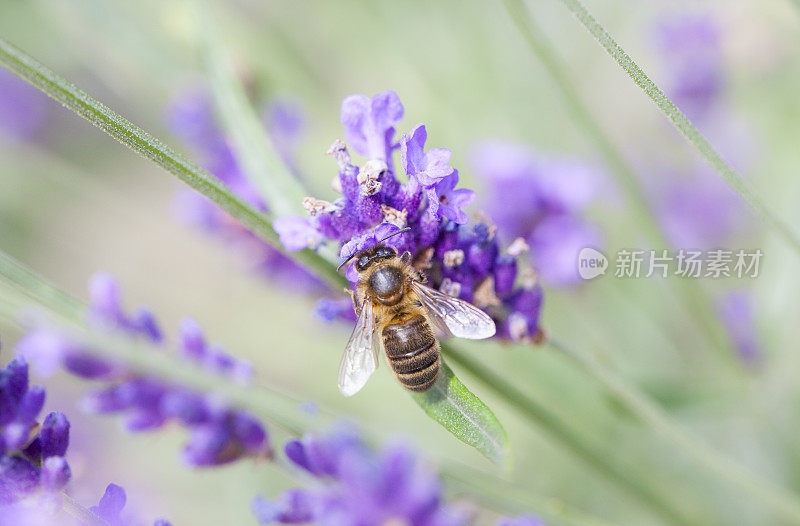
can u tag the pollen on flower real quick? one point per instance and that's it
(368, 177)
(450, 287)
(485, 295)
(453, 258)
(317, 206)
(394, 216)
(518, 247)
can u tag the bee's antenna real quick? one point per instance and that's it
(406, 229)
(345, 262)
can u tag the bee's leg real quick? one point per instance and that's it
(406, 257)
(354, 298)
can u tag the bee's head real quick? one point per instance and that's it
(365, 258)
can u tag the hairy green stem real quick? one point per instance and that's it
(681, 122)
(780, 501)
(546, 420)
(151, 148)
(693, 296)
(22, 289)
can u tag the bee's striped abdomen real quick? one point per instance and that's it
(413, 352)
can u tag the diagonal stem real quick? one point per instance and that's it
(563, 434)
(21, 288)
(771, 496)
(679, 120)
(151, 148)
(694, 297)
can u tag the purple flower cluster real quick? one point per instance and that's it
(31, 455)
(218, 432)
(542, 201)
(356, 485)
(462, 260)
(191, 117)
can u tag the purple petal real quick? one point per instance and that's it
(54, 435)
(111, 503)
(55, 473)
(296, 233)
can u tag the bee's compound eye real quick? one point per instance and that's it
(384, 252)
(363, 261)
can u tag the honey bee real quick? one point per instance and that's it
(392, 302)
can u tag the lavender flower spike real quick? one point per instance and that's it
(218, 432)
(31, 456)
(459, 259)
(358, 485)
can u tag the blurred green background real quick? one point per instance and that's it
(75, 202)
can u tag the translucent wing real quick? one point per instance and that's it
(360, 357)
(458, 317)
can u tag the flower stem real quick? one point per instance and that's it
(281, 191)
(21, 289)
(694, 297)
(86, 517)
(564, 435)
(724, 470)
(680, 121)
(151, 148)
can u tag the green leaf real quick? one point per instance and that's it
(462, 413)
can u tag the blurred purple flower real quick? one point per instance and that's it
(691, 48)
(738, 315)
(285, 122)
(557, 241)
(218, 433)
(698, 210)
(23, 108)
(358, 485)
(540, 200)
(191, 117)
(522, 520)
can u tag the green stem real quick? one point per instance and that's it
(282, 192)
(681, 122)
(565, 436)
(151, 148)
(693, 296)
(86, 517)
(505, 498)
(21, 289)
(728, 472)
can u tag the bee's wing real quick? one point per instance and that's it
(360, 357)
(460, 318)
